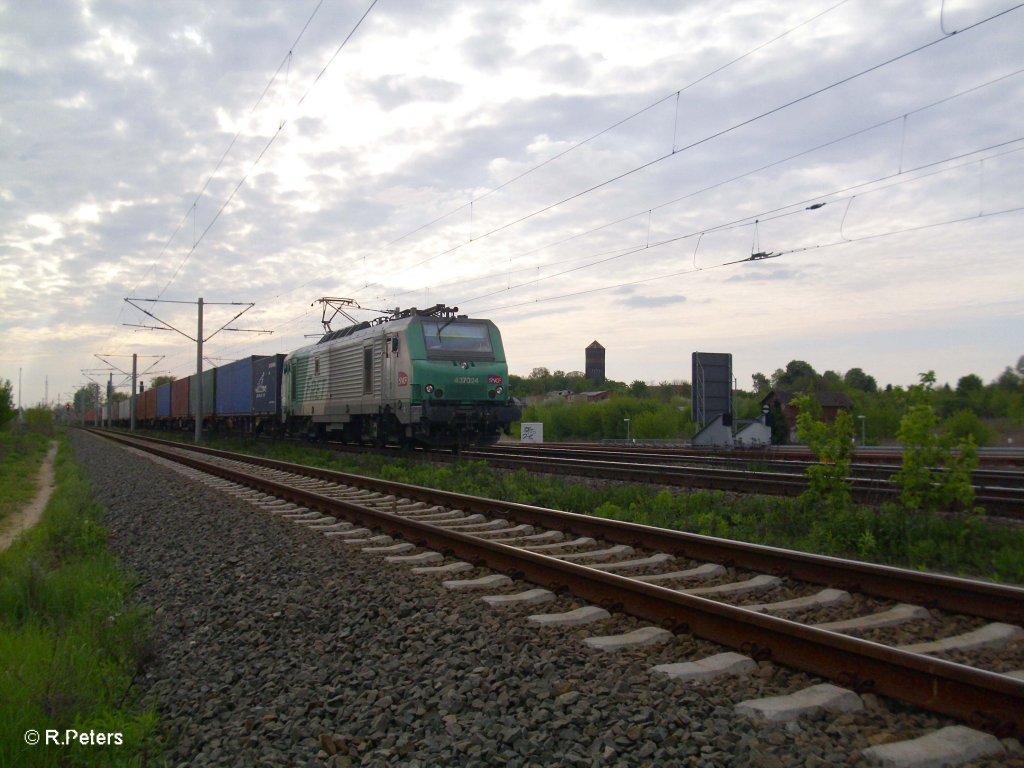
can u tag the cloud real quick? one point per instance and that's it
(752, 273)
(652, 302)
(393, 92)
(431, 160)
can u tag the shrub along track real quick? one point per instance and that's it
(986, 699)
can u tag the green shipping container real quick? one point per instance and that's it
(209, 392)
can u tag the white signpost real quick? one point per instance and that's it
(532, 432)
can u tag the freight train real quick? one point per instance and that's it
(414, 377)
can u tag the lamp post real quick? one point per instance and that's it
(863, 432)
(627, 429)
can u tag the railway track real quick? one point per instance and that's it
(944, 644)
(1000, 493)
(988, 458)
(753, 460)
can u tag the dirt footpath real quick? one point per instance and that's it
(23, 519)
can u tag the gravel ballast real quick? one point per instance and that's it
(276, 645)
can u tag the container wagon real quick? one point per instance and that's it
(145, 412)
(163, 403)
(181, 412)
(209, 405)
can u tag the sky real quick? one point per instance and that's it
(574, 171)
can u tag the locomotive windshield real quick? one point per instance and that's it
(447, 338)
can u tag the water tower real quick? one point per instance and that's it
(594, 369)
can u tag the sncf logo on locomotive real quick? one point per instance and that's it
(403, 379)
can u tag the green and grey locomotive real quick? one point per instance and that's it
(427, 377)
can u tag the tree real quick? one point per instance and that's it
(1009, 380)
(965, 423)
(932, 476)
(7, 411)
(831, 381)
(158, 380)
(799, 376)
(855, 378)
(85, 399)
(638, 388)
(539, 373)
(969, 384)
(761, 383)
(832, 446)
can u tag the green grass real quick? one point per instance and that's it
(71, 641)
(21, 455)
(962, 545)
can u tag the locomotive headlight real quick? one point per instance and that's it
(499, 390)
(429, 388)
(439, 393)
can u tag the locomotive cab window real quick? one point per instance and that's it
(448, 340)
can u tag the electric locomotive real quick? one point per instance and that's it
(428, 377)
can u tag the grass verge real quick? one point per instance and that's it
(71, 641)
(21, 455)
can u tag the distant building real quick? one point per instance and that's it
(563, 393)
(590, 397)
(780, 404)
(594, 369)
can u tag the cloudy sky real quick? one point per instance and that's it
(572, 170)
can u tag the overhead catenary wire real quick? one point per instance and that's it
(198, 239)
(478, 237)
(617, 124)
(193, 208)
(474, 237)
(234, 140)
(720, 265)
(674, 95)
(745, 221)
(274, 136)
(747, 174)
(710, 137)
(764, 216)
(613, 126)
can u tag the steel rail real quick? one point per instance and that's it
(981, 478)
(998, 602)
(985, 700)
(1009, 501)
(987, 457)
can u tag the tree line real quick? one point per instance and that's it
(983, 411)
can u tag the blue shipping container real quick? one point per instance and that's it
(163, 401)
(234, 388)
(266, 385)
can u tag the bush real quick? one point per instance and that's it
(605, 420)
(39, 420)
(933, 476)
(832, 446)
(965, 424)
